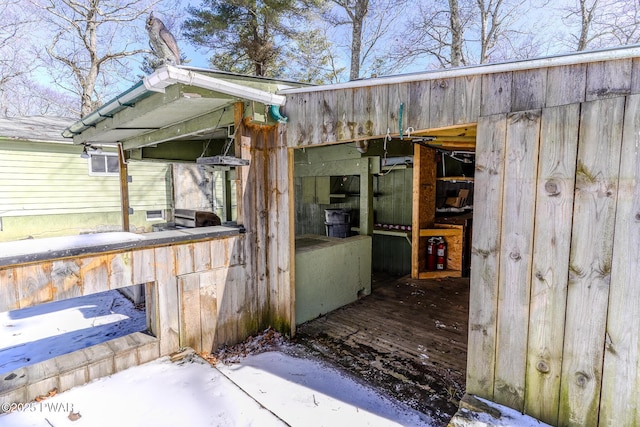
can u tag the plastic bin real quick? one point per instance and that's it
(338, 222)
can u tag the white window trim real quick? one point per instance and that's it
(92, 173)
(161, 218)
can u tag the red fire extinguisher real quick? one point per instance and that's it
(441, 254)
(431, 254)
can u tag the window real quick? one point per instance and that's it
(155, 215)
(104, 164)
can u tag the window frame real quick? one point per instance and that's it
(106, 164)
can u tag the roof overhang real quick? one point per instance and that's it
(174, 103)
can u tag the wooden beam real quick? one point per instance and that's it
(124, 188)
(205, 123)
(292, 242)
(243, 174)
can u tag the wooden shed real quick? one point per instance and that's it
(550, 245)
(554, 314)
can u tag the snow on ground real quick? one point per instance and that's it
(305, 392)
(159, 393)
(268, 389)
(261, 382)
(262, 389)
(38, 333)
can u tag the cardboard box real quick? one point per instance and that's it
(459, 201)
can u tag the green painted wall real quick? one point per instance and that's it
(392, 204)
(320, 289)
(392, 201)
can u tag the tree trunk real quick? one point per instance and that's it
(456, 33)
(586, 16)
(361, 10)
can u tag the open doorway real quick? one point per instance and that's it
(409, 336)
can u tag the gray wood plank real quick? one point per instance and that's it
(550, 269)
(208, 311)
(496, 94)
(189, 311)
(419, 98)
(345, 125)
(362, 108)
(329, 131)
(8, 290)
(379, 115)
(566, 85)
(467, 99)
(518, 209)
(442, 104)
(65, 278)
(608, 79)
(485, 256)
(168, 305)
(621, 371)
(590, 260)
(529, 89)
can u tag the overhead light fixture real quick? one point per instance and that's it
(89, 148)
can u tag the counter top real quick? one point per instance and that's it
(32, 250)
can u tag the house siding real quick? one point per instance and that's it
(46, 190)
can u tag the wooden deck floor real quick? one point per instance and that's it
(408, 337)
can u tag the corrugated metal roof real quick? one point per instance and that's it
(35, 128)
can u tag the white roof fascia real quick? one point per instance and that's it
(551, 61)
(168, 75)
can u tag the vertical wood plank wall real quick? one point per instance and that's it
(554, 305)
(195, 289)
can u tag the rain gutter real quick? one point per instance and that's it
(158, 81)
(626, 52)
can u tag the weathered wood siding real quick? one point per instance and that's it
(363, 113)
(554, 318)
(198, 294)
(264, 203)
(213, 269)
(551, 333)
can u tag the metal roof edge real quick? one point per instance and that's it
(161, 79)
(572, 58)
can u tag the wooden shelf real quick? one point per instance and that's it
(382, 232)
(343, 195)
(425, 224)
(455, 178)
(444, 232)
(439, 274)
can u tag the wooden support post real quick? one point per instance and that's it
(124, 188)
(366, 199)
(292, 241)
(238, 112)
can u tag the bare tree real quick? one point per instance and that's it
(463, 32)
(372, 24)
(89, 42)
(602, 23)
(457, 33)
(13, 45)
